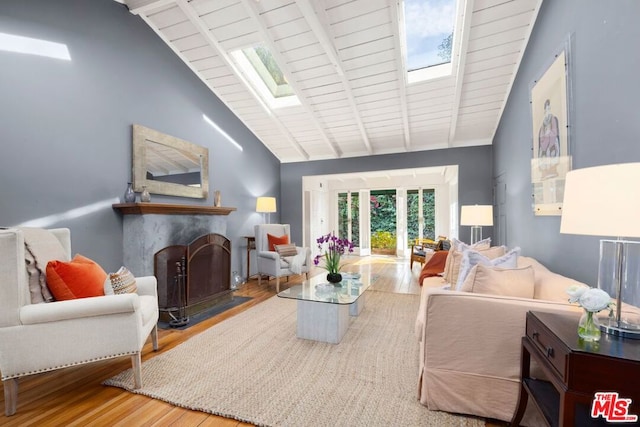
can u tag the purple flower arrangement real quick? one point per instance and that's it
(331, 249)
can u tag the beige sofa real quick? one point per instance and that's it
(470, 344)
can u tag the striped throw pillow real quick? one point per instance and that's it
(286, 250)
(120, 282)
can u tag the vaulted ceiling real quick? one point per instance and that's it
(343, 60)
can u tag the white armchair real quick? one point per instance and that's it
(43, 337)
(269, 262)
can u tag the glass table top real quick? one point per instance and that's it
(319, 290)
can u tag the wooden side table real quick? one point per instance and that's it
(575, 370)
(251, 245)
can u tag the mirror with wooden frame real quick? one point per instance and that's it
(168, 165)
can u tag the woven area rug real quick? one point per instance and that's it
(252, 368)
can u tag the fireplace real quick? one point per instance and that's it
(192, 278)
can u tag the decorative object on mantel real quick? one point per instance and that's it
(217, 201)
(170, 209)
(129, 194)
(604, 201)
(266, 205)
(335, 249)
(145, 197)
(592, 300)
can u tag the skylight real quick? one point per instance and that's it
(428, 30)
(265, 75)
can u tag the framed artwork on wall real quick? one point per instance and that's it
(550, 98)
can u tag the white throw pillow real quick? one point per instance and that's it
(452, 264)
(470, 258)
(517, 282)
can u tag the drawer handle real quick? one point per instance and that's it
(549, 351)
(535, 335)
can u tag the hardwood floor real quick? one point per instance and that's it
(75, 397)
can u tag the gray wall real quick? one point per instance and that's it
(65, 126)
(474, 177)
(606, 120)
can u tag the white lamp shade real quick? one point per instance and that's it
(602, 201)
(266, 204)
(476, 215)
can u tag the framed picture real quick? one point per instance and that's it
(550, 115)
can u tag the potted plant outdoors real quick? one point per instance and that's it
(331, 249)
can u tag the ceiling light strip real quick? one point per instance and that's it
(204, 31)
(252, 9)
(461, 56)
(319, 25)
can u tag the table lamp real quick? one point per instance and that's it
(266, 205)
(476, 216)
(605, 201)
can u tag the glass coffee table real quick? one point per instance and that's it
(323, 309)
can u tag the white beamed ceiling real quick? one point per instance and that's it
(343, 60)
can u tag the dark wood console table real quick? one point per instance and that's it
(575, 370)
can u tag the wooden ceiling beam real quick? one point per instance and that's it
(464, 22)
(204, 31)
(318, 23)
(398, 34)
(252, 9)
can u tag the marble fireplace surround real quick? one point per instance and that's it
(149, 227)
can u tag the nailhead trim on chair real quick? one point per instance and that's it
(24, 374)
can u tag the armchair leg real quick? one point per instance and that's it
(10, 396)
(154, 337)
(259, 279)
(136, 360)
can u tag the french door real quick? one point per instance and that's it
(353, 219)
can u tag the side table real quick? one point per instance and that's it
(251, 245)
(575, 370)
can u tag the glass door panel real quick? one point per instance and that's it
(421, 214)
(383, 222)
(349, 217)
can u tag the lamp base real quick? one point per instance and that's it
(626, 330)
(619, 276)
(476, 234)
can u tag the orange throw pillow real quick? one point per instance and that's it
(276, 240)
(78, 278)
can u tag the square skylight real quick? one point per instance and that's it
(266, 77)
(428, 29)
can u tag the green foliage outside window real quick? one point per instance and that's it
(428, 210)
(383, 217)
(383, 240)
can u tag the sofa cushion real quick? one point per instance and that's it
(457, 265)
(276, 240)
(78, 278)
(120, 282)
(458, 246)
(515, 282)
(471, 258)
(549, 286)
